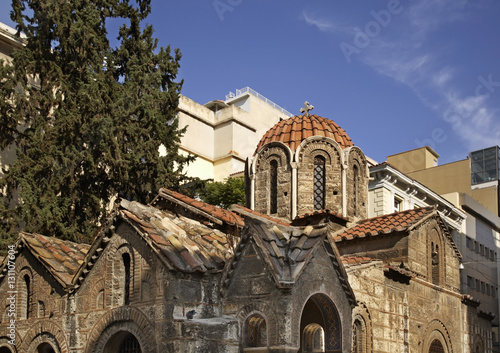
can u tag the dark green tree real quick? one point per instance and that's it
(224, 194)
(87, 119)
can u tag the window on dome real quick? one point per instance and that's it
(274, 186)
(319, 183)
(355, 188)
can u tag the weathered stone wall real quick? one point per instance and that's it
(273, 152)
(356, 190)
(330, 151)
(407, 317)
(252, 290)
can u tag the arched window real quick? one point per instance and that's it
(45, 348)
(435, 263)
(313, 339)
(27, 296)
(355, 188)
(273, 189)
(129, 345)
(319, 183)
(126, 289)
(359, 337)
(41, 309)
(436, 347)
(255, 331)
(122, 342)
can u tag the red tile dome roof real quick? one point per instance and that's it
(294, 130)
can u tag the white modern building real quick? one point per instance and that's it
(224, 133)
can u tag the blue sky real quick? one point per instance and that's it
(396, 75)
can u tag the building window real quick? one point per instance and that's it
(470, 282)
(483, 287)
(126, 289)
(255, 331)
(398, 204)
(355, 187)
(435, 263)
(273, 190)
(481, 249)
(468, 242)
(485, 165)
(478, 285)
(28, 295)
(319, 183)
(487, 289)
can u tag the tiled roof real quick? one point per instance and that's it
(218, 213)
(61, 258)
(294, 130)
(319, 215)
(394, 222)
(186, 245)
(355, 260)
(243, 211)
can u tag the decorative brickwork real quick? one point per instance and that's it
(127, 319)
(277, 154)
(330, 152)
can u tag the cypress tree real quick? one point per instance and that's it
(87, 119)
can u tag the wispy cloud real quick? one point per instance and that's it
(401, 50)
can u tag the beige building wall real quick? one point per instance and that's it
(224, 133)
(417, 159)
(446, 178)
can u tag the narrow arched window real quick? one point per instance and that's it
(29, 296)
(435, 264)
(319, 183)
(126, 289)
(355, 187)
(273, 190)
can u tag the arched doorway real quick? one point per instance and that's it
(436, 347)
(122, 342)
(45, 348)
(5, 350)
(320, 326)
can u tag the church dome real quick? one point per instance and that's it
(294, 130)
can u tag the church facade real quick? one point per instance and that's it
(299, 269)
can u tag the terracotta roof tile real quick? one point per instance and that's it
(355, 260)
(243, 211)
(61, 258)
(217, 212)
(187, 245)
(294, 130)
(386, 224)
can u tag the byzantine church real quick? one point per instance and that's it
(299, 268)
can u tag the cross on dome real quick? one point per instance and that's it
(307, 108)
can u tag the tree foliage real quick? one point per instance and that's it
(87, 119)
(224, 194)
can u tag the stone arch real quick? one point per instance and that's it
(269, 199)
(327, 149)
(435, 257)
(6, 347)
(362, 329)
(44, 333)
(25, 284)
(478, 345)
(116, 279)
(255, 331)
(320, 310)
(357, 177)
(436, 339)
(126, 319)
(267, 313)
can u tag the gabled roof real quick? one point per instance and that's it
(386, 224)
(286, 250)
(61, 258)
(212, 213)
(185, 244)
(395, 223)
(245, 212)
